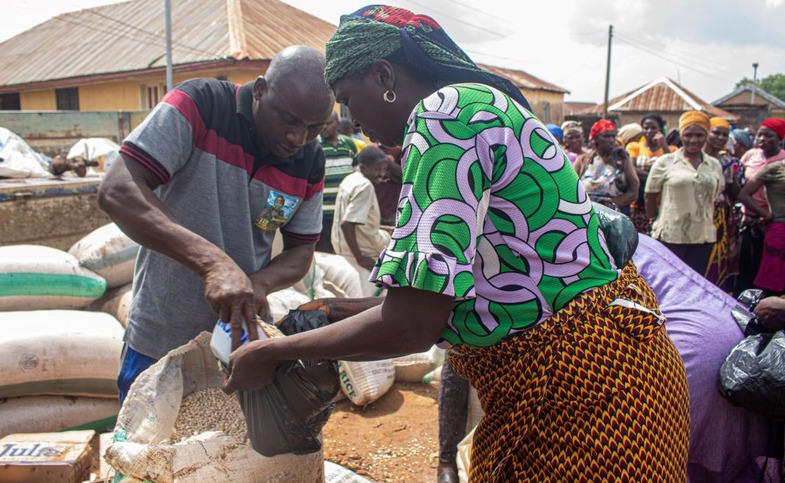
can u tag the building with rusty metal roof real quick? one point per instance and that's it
(662, 96)
(752, 104)
(113, 58)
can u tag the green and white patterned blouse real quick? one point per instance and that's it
(492, 213)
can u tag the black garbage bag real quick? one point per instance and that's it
(753, 374)
(287, 415)
(620, 234)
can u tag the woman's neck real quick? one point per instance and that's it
(711, 151)
(694, 158)
(772, 153)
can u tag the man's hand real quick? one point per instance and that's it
(771, 314)
(231, 295)
(252, 366)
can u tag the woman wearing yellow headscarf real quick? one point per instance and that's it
(689, 181)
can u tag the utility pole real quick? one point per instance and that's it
(607, 74)
(754, 82)
(169, 81)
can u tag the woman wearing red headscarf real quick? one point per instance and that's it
(762, 257)
(689, 181)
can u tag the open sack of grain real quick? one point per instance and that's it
(177, 426)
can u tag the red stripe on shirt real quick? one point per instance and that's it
(300, 238)
(145, 160)
(205, 139)
(281, 181)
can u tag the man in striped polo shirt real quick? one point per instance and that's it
(340, 153)
(203, 185)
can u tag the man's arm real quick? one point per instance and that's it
(283, 271)
(349, 230)
(126, 195)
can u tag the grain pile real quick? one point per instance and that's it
(210, 410)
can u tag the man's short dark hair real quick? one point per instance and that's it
(370, 155)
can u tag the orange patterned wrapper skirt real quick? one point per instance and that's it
(597, 392)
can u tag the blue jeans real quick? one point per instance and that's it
(132, 364)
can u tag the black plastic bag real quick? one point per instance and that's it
(287, 415)
(620, 234)
(753, 374)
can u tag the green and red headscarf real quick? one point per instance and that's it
(385, 32)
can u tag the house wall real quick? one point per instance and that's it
(538, 99)
(41, 100)
(124, 95)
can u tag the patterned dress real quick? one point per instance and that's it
(576, 375)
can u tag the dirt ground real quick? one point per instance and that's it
(394, 439)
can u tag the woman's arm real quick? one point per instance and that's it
(380, 332)
(652, 210)
(745, 196)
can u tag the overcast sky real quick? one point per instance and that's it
(706, 45)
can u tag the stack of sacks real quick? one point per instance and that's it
(58, 366)
(58, 370)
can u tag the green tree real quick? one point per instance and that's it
(773, 84)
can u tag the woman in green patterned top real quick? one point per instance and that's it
(497, 254)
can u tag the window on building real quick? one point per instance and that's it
(67, 99)
(152, 95)
(10, 102)
(546, 112)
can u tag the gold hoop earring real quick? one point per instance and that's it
(387, 98)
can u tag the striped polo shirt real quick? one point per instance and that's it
(339, 163)
(200, 141)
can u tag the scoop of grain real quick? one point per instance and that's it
(210, 410)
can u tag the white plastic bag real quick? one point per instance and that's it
(18, 160)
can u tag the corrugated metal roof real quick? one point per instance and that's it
(662, 95)
(524, 80)
(130, 36)
(729, 100)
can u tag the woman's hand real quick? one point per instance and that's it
(252, 366)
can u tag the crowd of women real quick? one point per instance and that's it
(714, 195)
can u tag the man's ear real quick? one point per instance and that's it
(259, 86)
(383, 73)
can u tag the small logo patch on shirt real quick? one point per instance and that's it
(277, 211)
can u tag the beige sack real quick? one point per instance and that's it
(147, 419)
(59, 352)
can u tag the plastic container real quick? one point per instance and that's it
(221, 341)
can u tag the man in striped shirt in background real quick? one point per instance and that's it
(340, 153)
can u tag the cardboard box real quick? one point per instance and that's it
(46, 457)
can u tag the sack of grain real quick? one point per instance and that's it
(59, 352)
(38, 278)
(108, 252)
(365, 382)
(312, 284)
(44, 414)
(282, 301)
(146, 446)
(414, 367)
(339, 276)
(335, 473)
